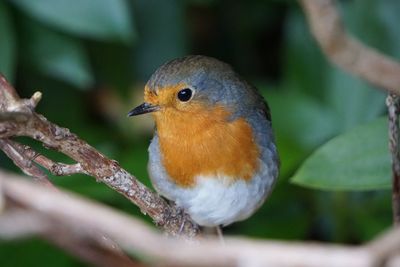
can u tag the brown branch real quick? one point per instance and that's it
(19, 119)
(393, 104)
(16, 152)
(90, 252)
(25, 222)
(347, 52)
(17, 223)
(385, 246)
(58, 168)
(81, 217)
(27, 155)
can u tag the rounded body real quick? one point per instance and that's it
(214, 201)
(213, 151)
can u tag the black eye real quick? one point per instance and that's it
(185, 94)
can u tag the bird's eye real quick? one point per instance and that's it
(184, 95)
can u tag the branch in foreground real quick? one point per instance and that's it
(76, 215)
(347, 52)
(81, 216)
(17, 118)
(17, 223)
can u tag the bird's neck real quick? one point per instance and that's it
(206, 144)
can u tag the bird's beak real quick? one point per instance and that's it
(143, 109)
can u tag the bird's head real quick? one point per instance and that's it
(193, 85)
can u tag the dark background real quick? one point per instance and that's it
(91, 59)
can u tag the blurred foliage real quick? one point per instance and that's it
(100, 19)
(90, 58)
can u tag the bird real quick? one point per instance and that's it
(213, 151)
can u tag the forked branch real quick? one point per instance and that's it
(18, 118)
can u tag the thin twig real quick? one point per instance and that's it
(347, 52)
(16, 153)
(393, 104)
(55, 168)
(58, 168)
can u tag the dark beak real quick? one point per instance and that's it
(143, 109)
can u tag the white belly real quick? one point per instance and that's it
(218, 201)
(214, 200)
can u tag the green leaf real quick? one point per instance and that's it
(56, 55)
(7, 43)
(356, 160)
(101, 19)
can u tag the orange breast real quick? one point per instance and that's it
(204, 143)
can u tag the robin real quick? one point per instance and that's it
(213, 151)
